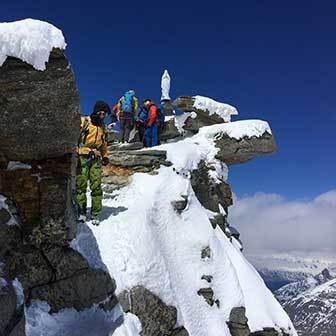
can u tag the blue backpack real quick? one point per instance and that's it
(161, 114)
(127, 105)
(143, 114)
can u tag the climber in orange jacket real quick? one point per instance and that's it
(149, 116)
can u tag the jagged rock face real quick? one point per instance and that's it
(232, 151)
(40, 126)
(56, 274)
(238, 322)
(238, 325)
(39, 110)
(156, 318)
(169, 131)
(12, 320)
(44, 196)
(208, 192)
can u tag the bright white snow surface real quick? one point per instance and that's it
(225, 111)
(29, 40)
(143, 241)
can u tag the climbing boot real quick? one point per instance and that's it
(95, 220)
(81, 218)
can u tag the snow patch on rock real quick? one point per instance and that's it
(29, 40)
(4, 205)
(19, 293)
(187, 153)
(16, 165)
(69, 322)
(225, 111)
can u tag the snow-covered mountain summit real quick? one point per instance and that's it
(164, 260)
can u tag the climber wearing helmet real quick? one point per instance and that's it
(92, 150)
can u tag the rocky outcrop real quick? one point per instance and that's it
(40, 128)
(209, 192)
(44, 197)
(238, 325)
(125, 160)
(169, 131)
(39, 109)
(143, 161)
(186, 104)
(156, 318)
(238, 322)
(232, 151)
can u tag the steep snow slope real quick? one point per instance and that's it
(143, 241)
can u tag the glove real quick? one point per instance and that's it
(105, 161)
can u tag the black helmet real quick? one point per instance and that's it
(101, 106)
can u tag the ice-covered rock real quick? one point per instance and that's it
(30, 41)
(225, 111)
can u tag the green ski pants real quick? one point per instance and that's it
(90, 171)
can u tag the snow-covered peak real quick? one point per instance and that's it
(225, 111)
(29, 40)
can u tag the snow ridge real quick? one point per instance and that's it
(29, 40)
(150, 244)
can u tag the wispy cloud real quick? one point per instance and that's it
(268, 222)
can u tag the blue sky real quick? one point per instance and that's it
(272, 60)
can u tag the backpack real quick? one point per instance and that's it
(126, 105)
(84, 132)
(161, 114)
(143, 115)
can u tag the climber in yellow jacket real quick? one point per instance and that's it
(92, 150)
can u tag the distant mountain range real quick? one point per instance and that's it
(313, 311)
(305, 288)
(278, 270)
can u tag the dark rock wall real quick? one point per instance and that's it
(40, 127)
(39, 109)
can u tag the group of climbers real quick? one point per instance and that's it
(144, 119)
(92, 144)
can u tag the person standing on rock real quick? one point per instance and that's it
(92, 153)
(128, 112)
(149, 116)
